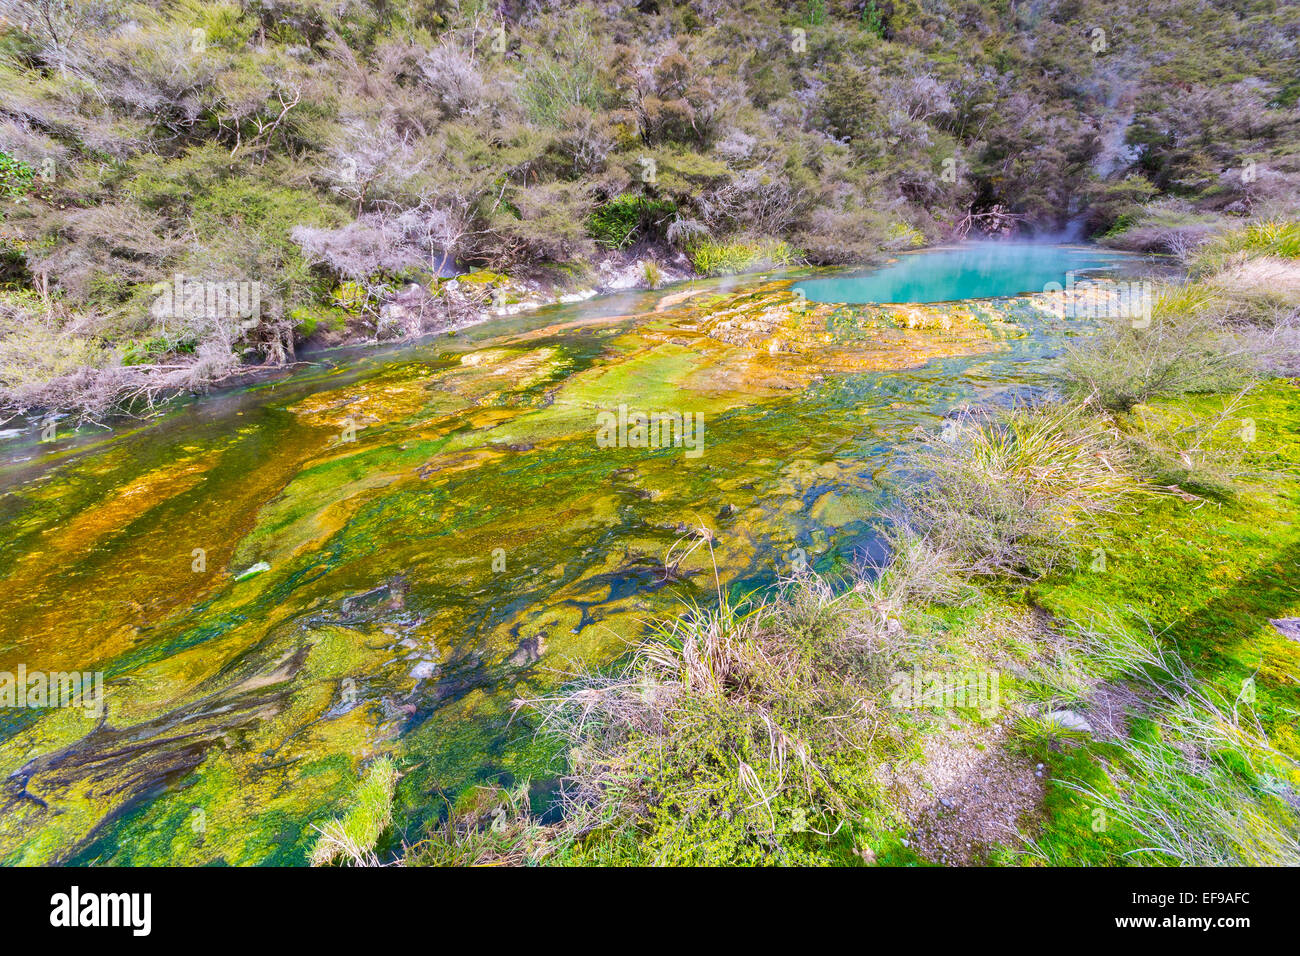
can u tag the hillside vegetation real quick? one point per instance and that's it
(347, 157)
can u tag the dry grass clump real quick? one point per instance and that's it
(493, 827)
(919, 573)
(735, 734)
(1238, 319)
(1006, 495)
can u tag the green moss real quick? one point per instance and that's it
(1206, 576)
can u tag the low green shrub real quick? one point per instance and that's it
(712, 257)
(630, 218)
(16, 177)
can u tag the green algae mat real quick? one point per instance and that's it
(376, 555)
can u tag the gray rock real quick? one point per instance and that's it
(1288, 627)
(423, 670)
(1069, 720)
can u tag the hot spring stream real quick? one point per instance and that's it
(441, 532)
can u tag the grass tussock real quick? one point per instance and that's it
(1007, 494)
(1184, 348)
(1280, 238)
(715, 258)
(488, 826)
(352, 838)
(737, 734)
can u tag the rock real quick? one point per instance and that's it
(530, 650)
(423, 670)
(1069, 720)
(1288, 627)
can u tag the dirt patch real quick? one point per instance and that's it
(969, 795)
(1110, 708)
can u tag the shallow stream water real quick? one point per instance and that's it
(441, 532)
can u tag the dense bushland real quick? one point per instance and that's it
(346, 157)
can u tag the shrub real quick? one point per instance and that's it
(34, 351)
(452, 78)
(727, 257)
(16, 177)
(1166, 227)
(1184, 348)
(631, 218)
(567, 74)
(544, 223)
